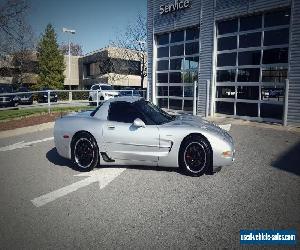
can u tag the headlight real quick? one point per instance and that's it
(55, 95)
(45, 95)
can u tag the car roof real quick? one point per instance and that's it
(130, 99)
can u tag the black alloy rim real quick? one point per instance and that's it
(195, 157)
(84, 153)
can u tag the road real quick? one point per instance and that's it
(146, 207)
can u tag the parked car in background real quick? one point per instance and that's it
(43, 96)
(129, 92)
(9, 100)
(25, 98)
(105, 92)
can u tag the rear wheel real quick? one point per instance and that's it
(85, 153)
(195, 155)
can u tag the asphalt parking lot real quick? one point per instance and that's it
(44, 205)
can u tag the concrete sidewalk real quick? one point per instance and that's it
(26, 130)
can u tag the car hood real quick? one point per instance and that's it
(197, 122)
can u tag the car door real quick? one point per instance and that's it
(125, 141)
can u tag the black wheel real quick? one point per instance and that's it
(101, 98)
(85, 153)
(195, 155)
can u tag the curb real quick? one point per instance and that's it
(26, 130)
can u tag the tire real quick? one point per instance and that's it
(85, 153)
(101, 98)
(195, 155)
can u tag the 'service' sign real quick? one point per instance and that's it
(173, 7)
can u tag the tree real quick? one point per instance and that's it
(133, 40)
(76, 49)
(17, 40)
(50, 61)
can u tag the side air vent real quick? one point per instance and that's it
(106, 158)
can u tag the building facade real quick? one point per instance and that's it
(242, 55)
(118, 67)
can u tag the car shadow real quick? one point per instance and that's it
(57, 160)
(289, 161)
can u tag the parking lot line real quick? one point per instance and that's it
(104, 176)
(23, 144)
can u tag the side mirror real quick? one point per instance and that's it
(139, 123)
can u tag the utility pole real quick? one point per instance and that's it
(65, 30)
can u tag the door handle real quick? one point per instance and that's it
(111, 127)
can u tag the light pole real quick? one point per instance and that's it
(65, 30)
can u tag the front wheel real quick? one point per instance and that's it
(85, 153)
(195, 155)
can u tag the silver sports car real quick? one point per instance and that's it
(132, 131)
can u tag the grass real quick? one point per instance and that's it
(6, 115)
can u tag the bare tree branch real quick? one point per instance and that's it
(17, 41)
(133, 40)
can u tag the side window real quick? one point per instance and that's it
(123, 112)
(95, 87)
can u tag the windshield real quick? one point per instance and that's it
(5, 89)
(154, 113)
(106, 87)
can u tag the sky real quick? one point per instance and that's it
(96, 21)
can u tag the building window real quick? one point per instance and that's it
(226, 59)
(225, 91)
(248, 75)
(177, 36)
(250, 40)
(226, 75)
(249, 57)
(177, 50)
(250, 22)
(229, 26)
(227, 43)
(274, 74)
(163, 52)
(252, 58)
(177, 68)
(162, 65)
(176, 64)
(162, 91)
(272, 56)
(276, 37)
(192, 34)
(277, 18)
(163, 39)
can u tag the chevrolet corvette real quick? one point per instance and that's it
(132, 131)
